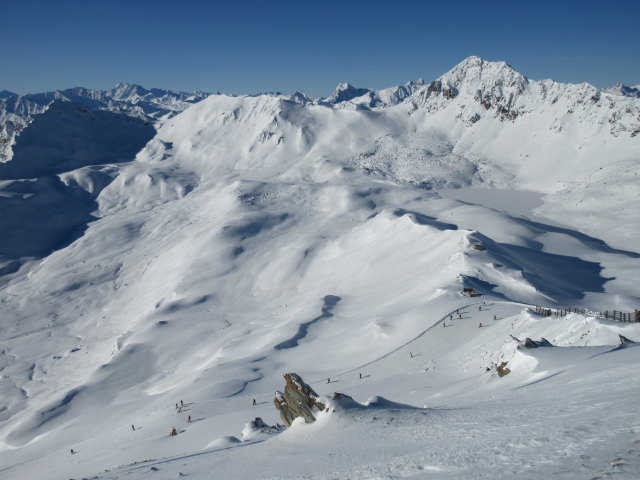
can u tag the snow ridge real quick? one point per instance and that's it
(17, 111)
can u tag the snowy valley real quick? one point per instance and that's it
(164, 247)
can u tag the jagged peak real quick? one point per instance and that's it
(344, 86)
(475, 68)
(624, 90)
(344, 91)
(475, 74)
(300, 97)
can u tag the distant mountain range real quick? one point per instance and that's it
(16, 111)
(481, 123)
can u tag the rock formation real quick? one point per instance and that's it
(502, 369)
(298, 400)
(543, 342)
(625, 341)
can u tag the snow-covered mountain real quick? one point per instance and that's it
(202, 257)
(17, 111)
(620, 89)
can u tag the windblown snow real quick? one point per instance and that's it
(163, 270)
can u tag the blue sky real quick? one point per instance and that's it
(249, 47)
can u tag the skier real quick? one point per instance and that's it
(494, 317)
(328, 380)
(72, 452)
(480, 326)
(460, 316)
(450, 317)
(181, 403)
(360, 375)
(133, 428)
(177, 406)
(174, 432)
(189, 419)
(479, 308)
(254, 402)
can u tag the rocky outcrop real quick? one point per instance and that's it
(543, 342)
(625, 341)
(502, 369)
(298, 400)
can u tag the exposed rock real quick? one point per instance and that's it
(298, 400)
(543, 342)
(502, 369)
(626, 341)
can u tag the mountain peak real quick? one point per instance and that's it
(7, 93)
(620, 89)
(475, 63)
(344, 92)
(475, 73)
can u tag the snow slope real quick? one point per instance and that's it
(257, 235)
(17, 111)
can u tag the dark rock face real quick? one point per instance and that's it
(543, 342)
(502, 369)
(625, 341)
(298, 400)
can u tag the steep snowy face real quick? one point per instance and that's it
(477, 89)
(17, 111)
(343, 93)
(482, 123)
(351, 98)
(68, 136)
(60, 163)
(154, 100)
(620, 89)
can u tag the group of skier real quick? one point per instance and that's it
(480, 325)
(179, 409)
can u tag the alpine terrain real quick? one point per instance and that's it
(458, 258)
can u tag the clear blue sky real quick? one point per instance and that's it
(250, 46)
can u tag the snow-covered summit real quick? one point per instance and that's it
(620, 89)
(343, 93)
(172, 100)
(474, 73)
(17, 111)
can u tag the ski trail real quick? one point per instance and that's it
(421, 334)
(189, 455)
(438, 322)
